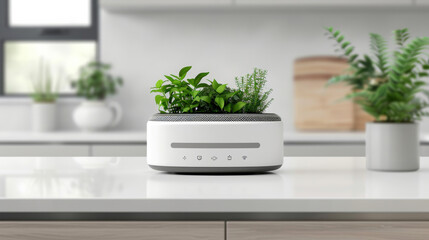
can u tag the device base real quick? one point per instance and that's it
(215, 170)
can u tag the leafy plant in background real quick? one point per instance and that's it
(180, 95)
(95, 82)
(388, 84)
(44, 90)
(251, 91)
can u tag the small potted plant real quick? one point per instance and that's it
(95, 84)
(391, 89)
(44, 96)
(207, 126)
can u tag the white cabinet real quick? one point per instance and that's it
(320, 149)
(333, 150)
(73, 144)
(321, 3)
(126, 5)
(73, 150)
(44, 150)
(121, 150)
(147, 5)
(422, 2)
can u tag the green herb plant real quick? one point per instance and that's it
(179, 94)
(387, 84)
(95, 82)
(44, 89)
(251, 90)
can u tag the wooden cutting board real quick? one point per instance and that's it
(318, 107)
(361, 118)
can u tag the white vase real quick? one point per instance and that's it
(43, 117)
(392, 146)
(97, 115)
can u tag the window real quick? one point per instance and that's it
(64, 59)
(61, 33)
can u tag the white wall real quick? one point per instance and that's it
(144, 46)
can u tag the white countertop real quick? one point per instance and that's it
(306, 185)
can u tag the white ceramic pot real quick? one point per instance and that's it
(392, 146)
(43, 117)
(97, 115)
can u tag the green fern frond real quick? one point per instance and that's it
(338, 79)
(401, 36)
(407, 59)
(343, 46)
(379, 48)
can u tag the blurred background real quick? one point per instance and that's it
(144, 39)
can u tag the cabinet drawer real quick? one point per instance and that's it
(328, 230)
(111, 230)
(128, 150)
(43, 150)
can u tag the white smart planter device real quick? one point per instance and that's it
(215, 143)
(392, 146)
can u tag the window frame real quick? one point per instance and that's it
(51, 33)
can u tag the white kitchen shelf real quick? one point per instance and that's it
(74, 137)
(138, 5)
(148, 5)
(140, 137)
(323, 3)
(324, 137)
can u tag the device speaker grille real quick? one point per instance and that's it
(229, 117)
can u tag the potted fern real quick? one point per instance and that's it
(95, 84)
(206, 126)
(44, 97)
(390, 88)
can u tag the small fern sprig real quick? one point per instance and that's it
(401, 36)
(408, 59)
(343, 46)
(361, 68)
(379, 49)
